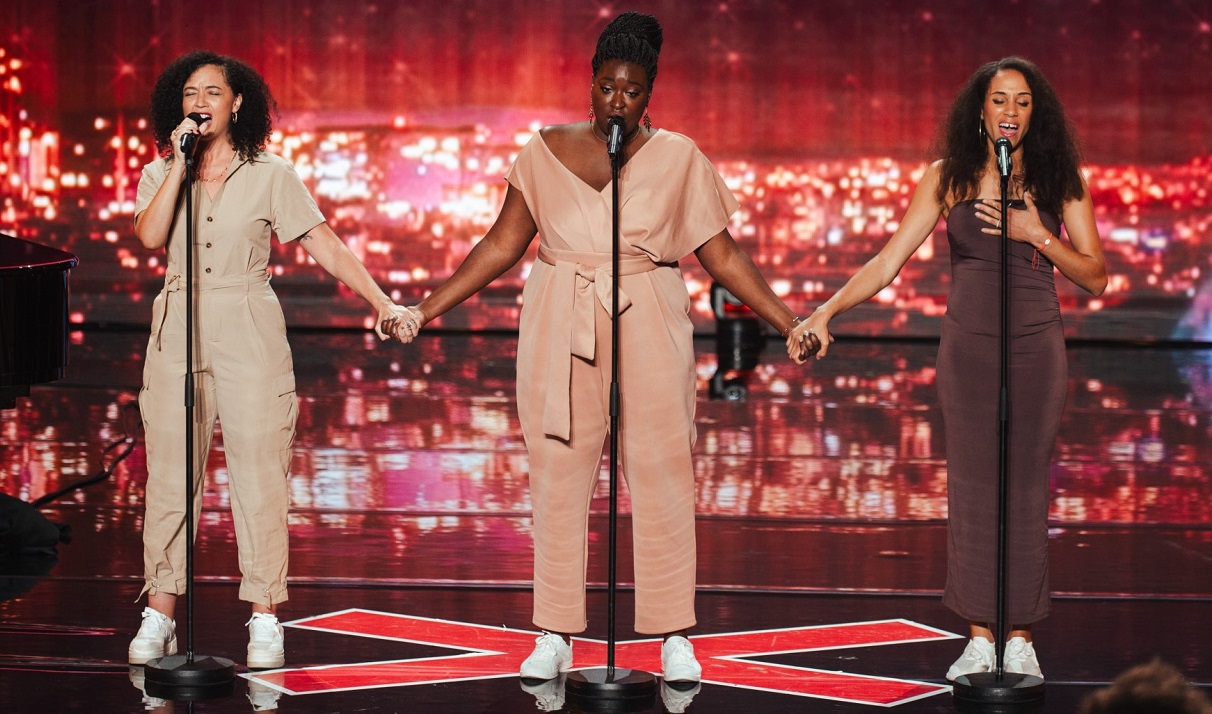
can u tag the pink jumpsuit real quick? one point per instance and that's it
(671, 202)
(243, 372)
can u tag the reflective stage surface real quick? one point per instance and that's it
(821, 501)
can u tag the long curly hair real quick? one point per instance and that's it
(257, 108)
(630, 37)
(1051, 157)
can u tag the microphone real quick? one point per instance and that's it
(189, 142)
(1002, 147)
(614, 134)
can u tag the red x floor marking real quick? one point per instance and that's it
(490, 652)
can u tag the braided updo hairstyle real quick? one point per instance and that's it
(630, 37)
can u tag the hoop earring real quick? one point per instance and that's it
(980, 129)
(647, 121)
(235, 117)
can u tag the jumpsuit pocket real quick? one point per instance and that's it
(284, 384)
(159, 312)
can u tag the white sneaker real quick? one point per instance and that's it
(266, 649)
(262, 698)
(551, 656)
(157, 637)
(548, 694)
(138, 678)
(677, 661)
(1019, 657)
(676, 700)
(977, 657)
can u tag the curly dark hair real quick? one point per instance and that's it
(630, 37)
(1051, 157)
(257, 108)
(1156, 687)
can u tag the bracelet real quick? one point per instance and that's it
(795, 321)
(1046, 243)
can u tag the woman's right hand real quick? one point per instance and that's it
(810, 337)
(187, 126)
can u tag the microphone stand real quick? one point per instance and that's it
(1000, 687)
(612, 689)
(188, 677)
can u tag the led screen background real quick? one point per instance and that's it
(403, 117)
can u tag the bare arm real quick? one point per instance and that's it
(500, 249)
(322, 244)
(152, 226)
(1082, 260)
(916, 225)
(731, 267)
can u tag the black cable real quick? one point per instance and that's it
(106, 471)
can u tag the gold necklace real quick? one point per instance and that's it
(215, 179)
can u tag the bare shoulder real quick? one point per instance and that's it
(563, 136)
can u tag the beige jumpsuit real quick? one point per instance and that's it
(243, 372)
(671, 201)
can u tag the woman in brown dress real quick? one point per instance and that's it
(1009, 98)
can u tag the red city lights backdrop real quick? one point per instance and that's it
(403, 117)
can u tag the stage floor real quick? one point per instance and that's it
(821, 501)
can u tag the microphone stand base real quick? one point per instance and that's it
(985, 692)
(177, 678)
(604, 690)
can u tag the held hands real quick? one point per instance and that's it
(402, 323)
(389, 314)
(1024, 226)
(804, 339)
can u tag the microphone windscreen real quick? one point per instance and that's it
(614, 137)
(1002, 148)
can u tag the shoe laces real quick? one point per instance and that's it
(1017, 650)
(263, 626)
(979, 652)
(679, 647)
(155, 623)
(546, 644)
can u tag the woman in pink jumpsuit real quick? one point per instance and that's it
(243, 196)
(672, 203)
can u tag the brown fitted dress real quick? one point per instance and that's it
(968, 382)
(671, 202)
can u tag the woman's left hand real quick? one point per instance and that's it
(1025, 225)
(403, 323)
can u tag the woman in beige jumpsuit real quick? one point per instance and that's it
(243, 196)
(672, 203)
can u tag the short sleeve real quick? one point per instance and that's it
(294, 211)
(149, 183)
(521, 174)
(697, 203)
(707, 204)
